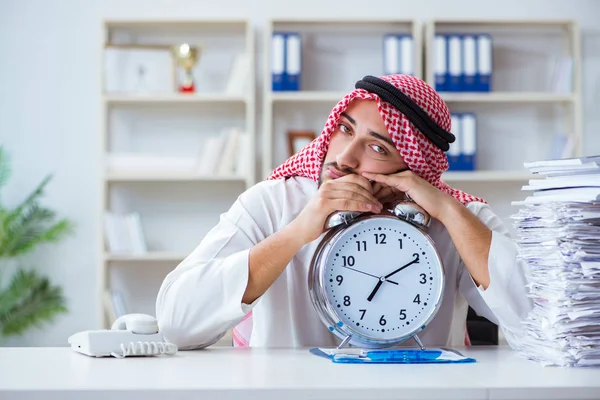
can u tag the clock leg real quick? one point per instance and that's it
(419, 342)
(346, 340)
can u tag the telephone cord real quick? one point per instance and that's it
(145, 349)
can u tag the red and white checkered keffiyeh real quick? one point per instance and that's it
(421, 156)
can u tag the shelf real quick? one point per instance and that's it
(181, 27)
(150, 256)
(487, 176)
(507, 97)
(508, 23)
(174, 98)
(307, 96)
(491, 97)
(124, 176)
(172, 23)
(341, 21)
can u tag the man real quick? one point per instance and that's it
(382, 140)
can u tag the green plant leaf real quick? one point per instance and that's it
(5, 170)
(34, 226)
(30, 201)
(3, 216)
(29, 301)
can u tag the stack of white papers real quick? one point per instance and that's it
(558, 227)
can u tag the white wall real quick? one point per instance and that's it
(50, 103)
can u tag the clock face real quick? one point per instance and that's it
(383, 278)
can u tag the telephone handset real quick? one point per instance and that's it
(130, 335)
(142, 324)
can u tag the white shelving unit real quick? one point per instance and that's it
(487, 176)
(507, 97)
(149, 256)
(177, 208)
(136, 176)
(524, 54)
(518, 120)
(145, 99)
(335, 54)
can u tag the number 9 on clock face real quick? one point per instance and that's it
(382, 279)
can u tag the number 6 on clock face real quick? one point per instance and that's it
(379, 280)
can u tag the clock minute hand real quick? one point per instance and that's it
(384, 278)
(404, 266)
(366, 273)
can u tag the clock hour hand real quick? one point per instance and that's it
(375, 290)
(366, 273)
(384, 278)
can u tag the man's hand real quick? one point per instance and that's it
(471, 237)
(390, 187)
(385, 193)
(349, 193)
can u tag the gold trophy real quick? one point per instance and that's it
(186, 57)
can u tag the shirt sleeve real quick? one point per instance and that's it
(201, 299)
(505, 301)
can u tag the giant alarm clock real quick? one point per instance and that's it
(377, 280)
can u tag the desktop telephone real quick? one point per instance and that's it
(130, 335)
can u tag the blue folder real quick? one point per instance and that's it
(392, 356)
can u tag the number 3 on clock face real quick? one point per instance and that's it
(384, 278)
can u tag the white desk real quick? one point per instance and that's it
(228, 373)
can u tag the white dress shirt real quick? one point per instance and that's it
(201, 299)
